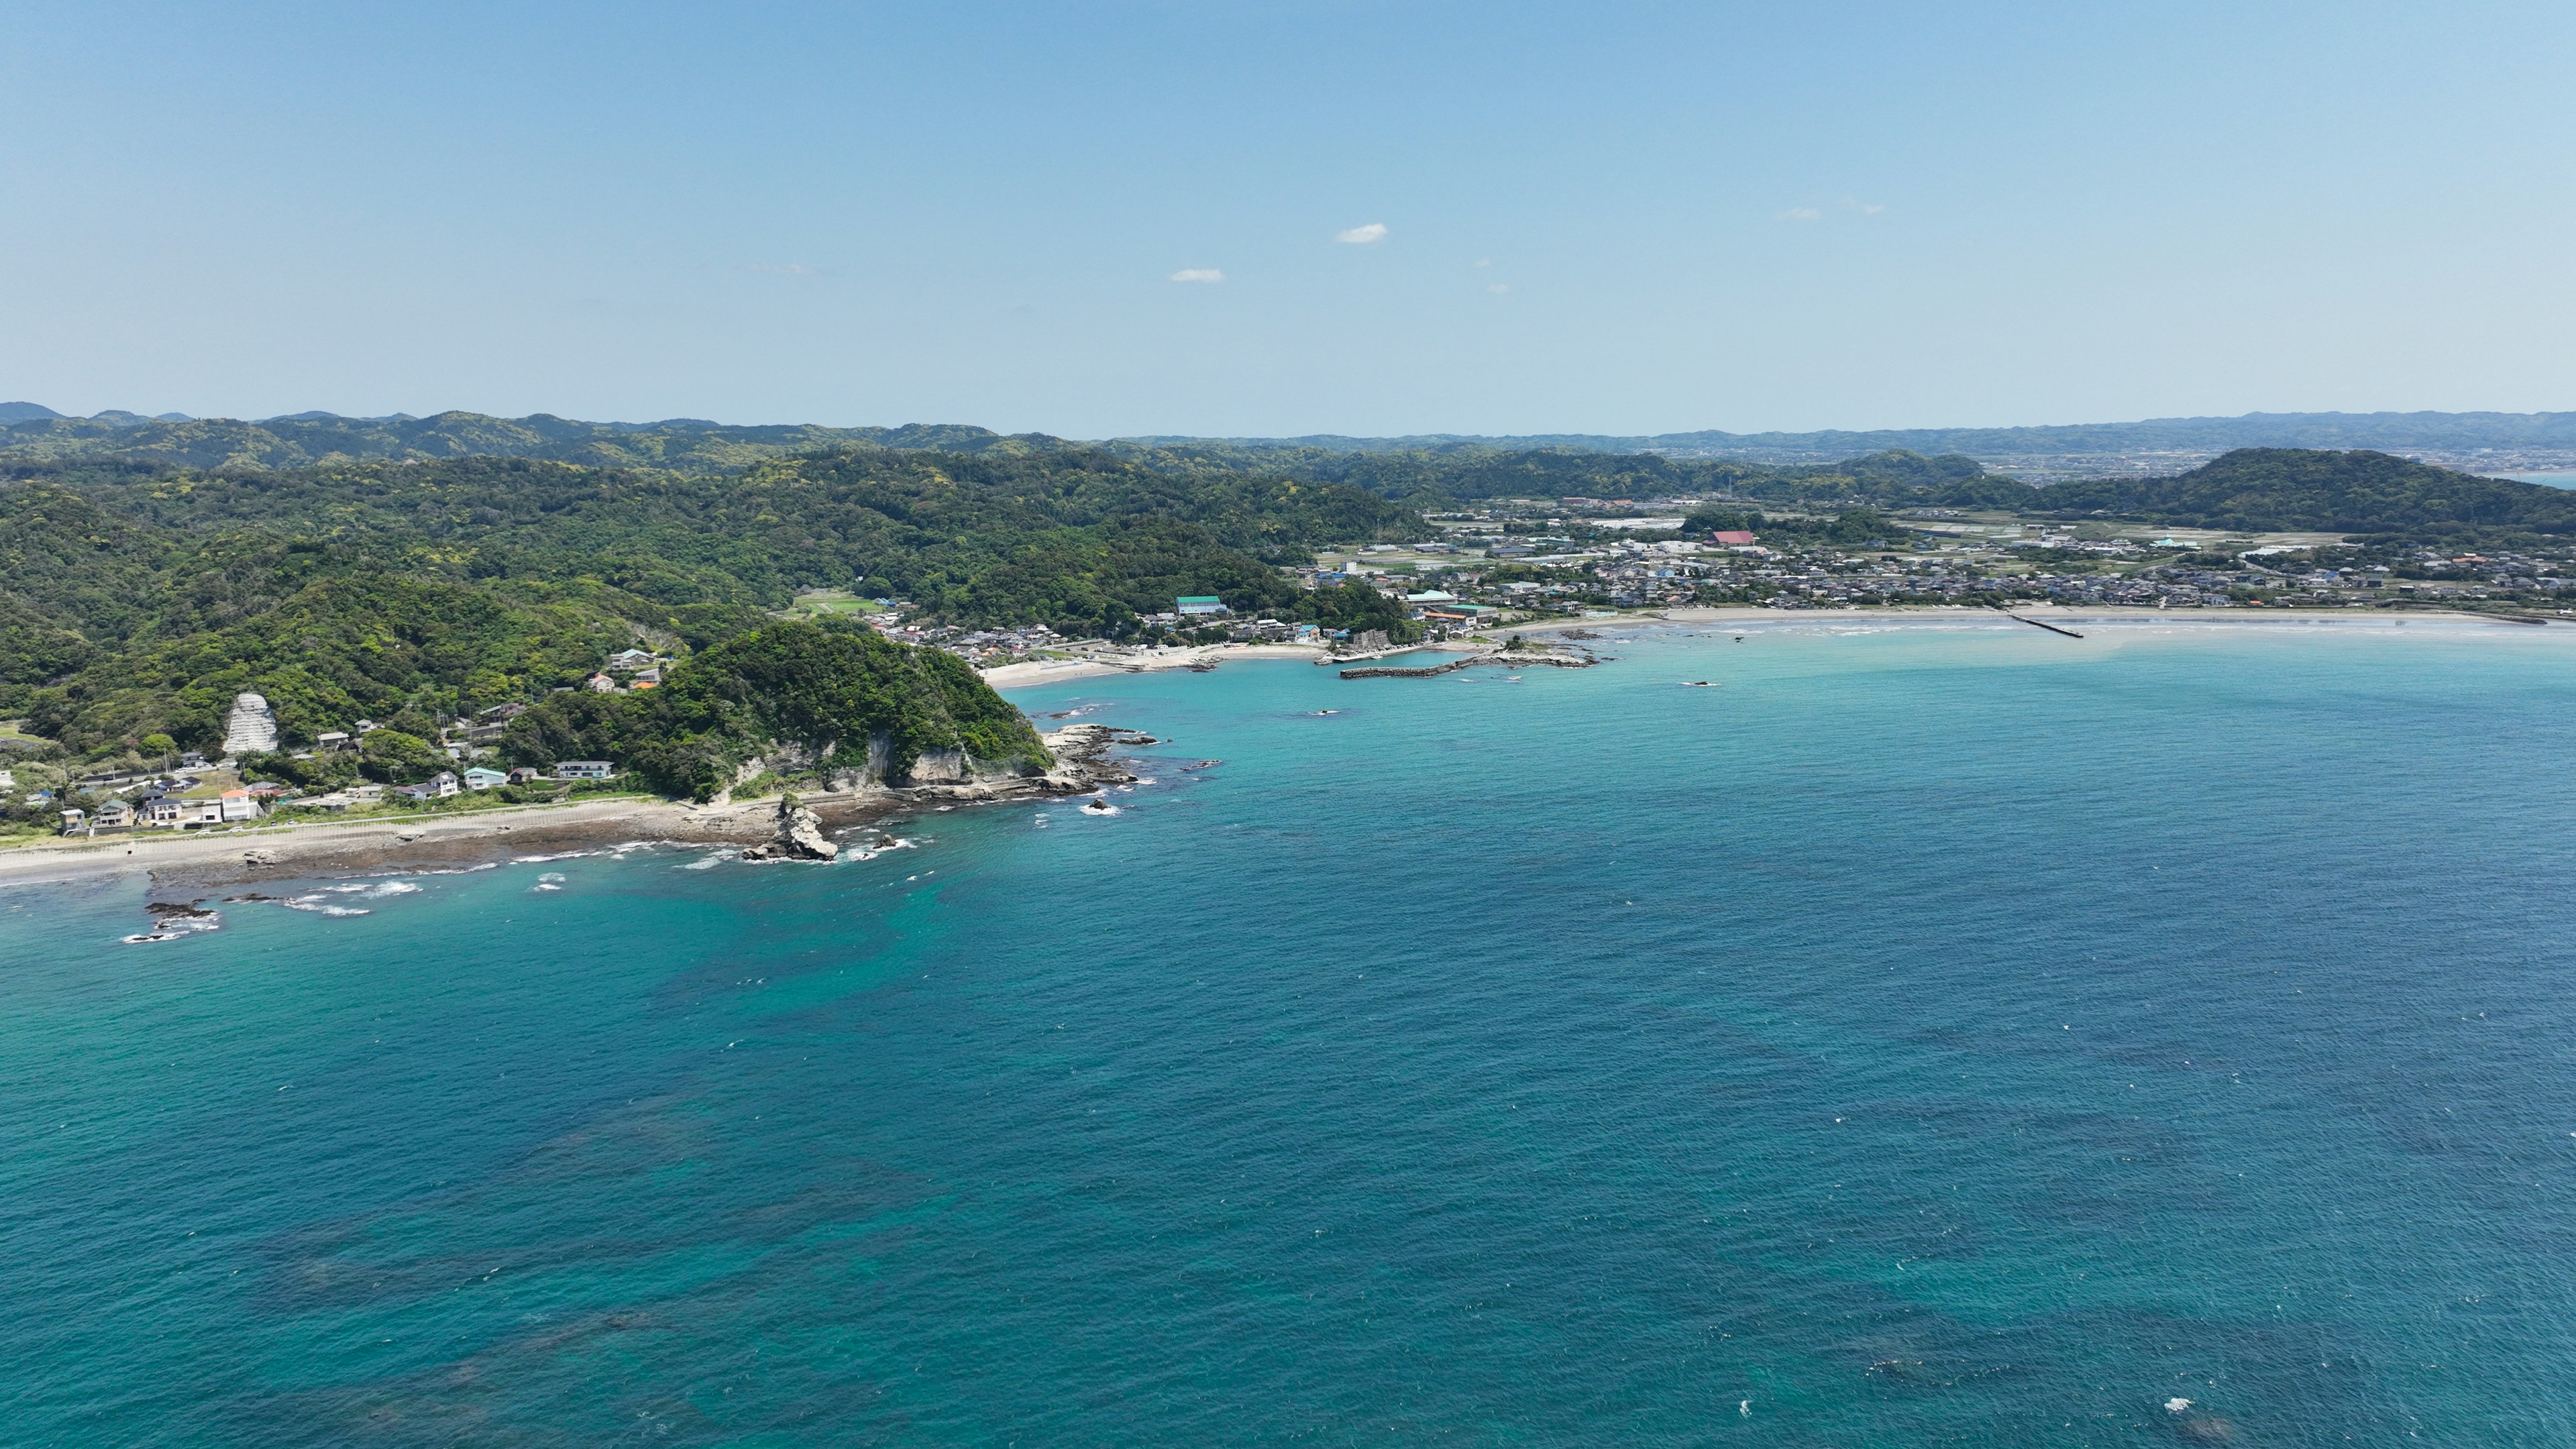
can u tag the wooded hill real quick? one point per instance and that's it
(1467, 474)
(2360, 492)
(137, 598)
(836, 696)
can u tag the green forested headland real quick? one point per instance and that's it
(138, 598)
(833, 692)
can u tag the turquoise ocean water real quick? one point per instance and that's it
(1926, 1036)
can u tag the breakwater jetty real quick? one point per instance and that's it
(2036, 624)
(1514, 658)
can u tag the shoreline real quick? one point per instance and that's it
(1688, 615)
(191, 861)
(289, 851)
(285, 852)
(1032, 673)
(1136, 661)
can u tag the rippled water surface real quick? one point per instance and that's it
(1922, 1036)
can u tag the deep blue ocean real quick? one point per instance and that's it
(1926, 1035)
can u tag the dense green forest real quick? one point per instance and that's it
(138, 598)
(1467, 473)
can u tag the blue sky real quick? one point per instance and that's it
(1608, 218)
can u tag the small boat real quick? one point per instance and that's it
(1699, 684)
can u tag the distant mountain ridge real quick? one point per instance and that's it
(2450, 432)
(34, 433)
(305, 439)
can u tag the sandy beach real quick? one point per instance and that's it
(1139, 661)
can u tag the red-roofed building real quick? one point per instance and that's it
(1730, 535)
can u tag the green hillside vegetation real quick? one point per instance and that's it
(2281, 489)
(138, 598)
(1468, 473)
(827, 692)
(1459, 471)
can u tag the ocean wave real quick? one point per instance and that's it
(320, 906)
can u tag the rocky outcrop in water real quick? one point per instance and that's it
(799, 836)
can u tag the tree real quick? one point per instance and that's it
(394, 758)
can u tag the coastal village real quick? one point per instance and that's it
(192, 792)
(1528, 561)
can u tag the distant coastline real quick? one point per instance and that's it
(1029, 674)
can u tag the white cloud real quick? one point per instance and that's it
(1499, 288)
(1198, 274)
(1484, 261)
(1363, 236)
(1800, 213)
(1865, 208)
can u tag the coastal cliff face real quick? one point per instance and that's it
(839, 705)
